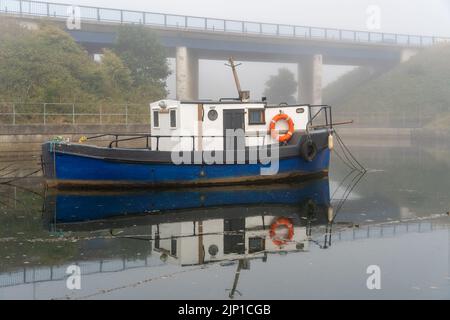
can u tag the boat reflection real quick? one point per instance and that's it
(201, 226)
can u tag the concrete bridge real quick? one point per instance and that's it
(189, 39)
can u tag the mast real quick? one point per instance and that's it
(236, 279)
(243, 95)
(235, 74)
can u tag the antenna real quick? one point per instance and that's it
(243, 95)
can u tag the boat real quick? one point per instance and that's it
(228, 225)
(276, 217)
(201, 143)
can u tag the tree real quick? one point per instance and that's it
(46, 65)
(141, 51)
(281, 88)
(117, 81)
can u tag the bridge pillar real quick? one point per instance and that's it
(407, 54)
(187, 74)
(310, 80)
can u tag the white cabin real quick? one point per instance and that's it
(182, 244)
(180, 125)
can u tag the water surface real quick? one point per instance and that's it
(216, 243)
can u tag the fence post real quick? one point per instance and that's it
(20, 6)
(45, 113)
(143, 18)
(126, 114)
(73, 113)
(48, 9)
(14, 113)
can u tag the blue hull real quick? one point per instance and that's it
(90, 206)
(80, 170)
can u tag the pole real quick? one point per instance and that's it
(236, 77)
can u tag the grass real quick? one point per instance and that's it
(418, 90)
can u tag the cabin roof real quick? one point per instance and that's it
(225, 102)
(222, 102)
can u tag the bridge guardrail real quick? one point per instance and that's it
(109, 15)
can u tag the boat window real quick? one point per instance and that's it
(256, 116)
(156, 119)
(256, 244)
(173, 247)
(157, 241)
(173, 118)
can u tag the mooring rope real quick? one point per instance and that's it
(20, 178)
(348, 154)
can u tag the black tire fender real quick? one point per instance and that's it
(308, 150)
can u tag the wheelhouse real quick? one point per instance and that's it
(202, 125)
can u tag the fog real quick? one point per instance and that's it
(425, 17)
(400, 16)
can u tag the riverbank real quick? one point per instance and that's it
(24, 141)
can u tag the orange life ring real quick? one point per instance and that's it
(282, 222)
(286, 137)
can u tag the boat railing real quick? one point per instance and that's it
(320, 116)
(193, 138)
(153, 142)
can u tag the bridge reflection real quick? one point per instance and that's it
(222, 226)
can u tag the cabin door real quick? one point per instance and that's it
(233, 119)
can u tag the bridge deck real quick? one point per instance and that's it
(194, 23)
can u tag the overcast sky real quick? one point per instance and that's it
(423, 17)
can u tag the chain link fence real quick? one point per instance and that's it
(73, 114)
(385, 119)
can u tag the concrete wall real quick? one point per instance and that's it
(20, 141)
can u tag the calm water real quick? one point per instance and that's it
(216, 243)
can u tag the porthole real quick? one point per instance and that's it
(300, 110)
(213, 115)
(213, 250)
